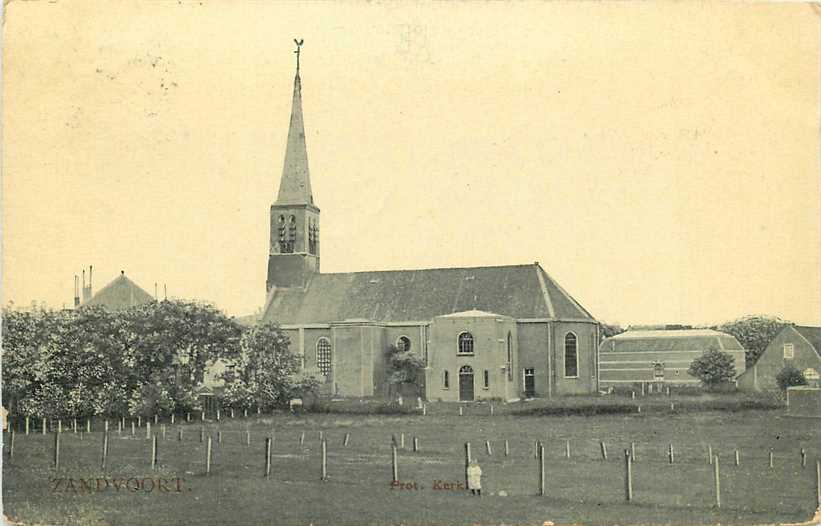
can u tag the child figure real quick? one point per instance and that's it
(475, 478)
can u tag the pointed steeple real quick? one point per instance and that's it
(295, 185)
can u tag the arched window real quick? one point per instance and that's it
(487, 379)
(509, 356)
(446, 380)
(323, 356)
(571, 359)
(465, 343)
(403, 343)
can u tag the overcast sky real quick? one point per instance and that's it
(661, 161)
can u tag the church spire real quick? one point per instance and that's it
(295, 185)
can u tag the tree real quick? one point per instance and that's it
(608, 330)
(713, 368)
(403, 367)
(789, 376)
(265, 372)
(754, 333)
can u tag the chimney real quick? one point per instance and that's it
(87, 288)
(76, 291)
(165, 291)
(90, 269)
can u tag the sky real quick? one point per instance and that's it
(659, 160)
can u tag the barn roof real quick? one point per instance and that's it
(676, 340)
(812, 334)
(518, 291)
(121, 293)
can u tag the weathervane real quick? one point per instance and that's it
(298, 46)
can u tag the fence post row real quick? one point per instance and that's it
(628, 476)
(541, 471)
(394, 464)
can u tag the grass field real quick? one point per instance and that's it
(582, 489)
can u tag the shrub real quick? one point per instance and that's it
(789, 376)
(713, 368)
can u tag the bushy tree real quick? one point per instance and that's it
(754, 333)
(403, 367)
(713, 368)
(265, 373)
(789, 376)
(608, 330)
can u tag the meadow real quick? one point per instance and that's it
(584, 488)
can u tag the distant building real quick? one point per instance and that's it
(796, 346)
(120, 294)
(482, 332)
(661, 356)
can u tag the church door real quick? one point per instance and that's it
(530, 383)
(465, 383)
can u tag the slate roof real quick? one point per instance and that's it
(295, 185)
(676, 340)
(121, 293)
(518, 291)
(812, 334)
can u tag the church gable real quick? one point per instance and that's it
(421, 295)
(121, 293)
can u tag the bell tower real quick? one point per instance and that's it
(294, 244)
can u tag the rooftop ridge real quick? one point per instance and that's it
(524, 265)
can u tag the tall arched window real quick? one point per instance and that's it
(446, 380)
(323, 356)
(509, 356)
(465, 343)
(571, 358)
(403, 343)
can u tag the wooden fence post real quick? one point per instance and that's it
(119, 427)
(179, 435)
(628, 476)
(202, 433)
(44, 423)
(232, 412)
(632, 451)
(245, 412)
(717, 482)
(60, 426)
(219, 436)
(154, 452)
(491, 409)
(415, 444)
(709, 454)
(218, 415)
(394, 464)
(56, 450)
(208, 456)
(424, 409)
(818, 483)
(202, 416)
(402, 440)
(460, 410)
(737, 458)
(187, 417)
(105, 427)
(27, 424)
(11, 443)
(507, 448)
(156, 419)
(267, 456)
(139, 421)
(803, 458)
(302, 438)
(162, 430)
(642, 389)
(104, 456)
(771, 457)
(133, 429)
(74, 425)
(347, 439)
(172, 419)
(324, 460)
(671, 456)
(487, 447)
(247, 437)
(467, 461)
(541, 471)
(603, 447)
(147, 430)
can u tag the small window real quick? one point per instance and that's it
(571, 363)
(487, 379)
(323, 356)
(465, 343)
(403, 343)
(446, 380)
(789, 351)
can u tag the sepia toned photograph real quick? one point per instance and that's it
(411, 263)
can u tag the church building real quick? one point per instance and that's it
(501, 332)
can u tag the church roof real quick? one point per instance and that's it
(295, 184)
(471, 314)
(121, 293)
(518, 291)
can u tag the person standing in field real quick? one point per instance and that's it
(475, 478)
